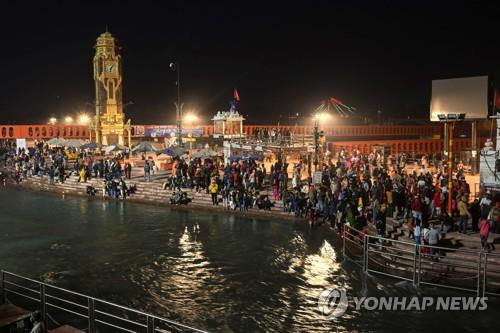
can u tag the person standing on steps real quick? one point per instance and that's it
(123, 188)
(51, 174)
(147, 171)
(464, 214)
(213, 189)
(475, 211)
(417, 233)
(433, 240)
(128, 170)
(484, 233)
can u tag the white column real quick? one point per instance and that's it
(474, 158)
(445, 140)
(497, 147)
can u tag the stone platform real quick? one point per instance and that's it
(151, 193)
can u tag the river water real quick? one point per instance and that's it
(214, 271)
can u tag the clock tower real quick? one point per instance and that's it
(109, 123)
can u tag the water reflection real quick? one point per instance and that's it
(219, 272)
(187, 283)
(314, 271)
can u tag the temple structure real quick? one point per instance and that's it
(228, 124)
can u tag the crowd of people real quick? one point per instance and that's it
(360, 189)
(353, 188)
(37, 161)
(236, 185)
(275, 135)
(54, 164)
(356, 189)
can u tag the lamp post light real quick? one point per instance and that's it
(450, 119)
(52, 120)
(316, 139)
(83, 119)
(318, 117)
(190, 118)
(68, 120)
(175, 66)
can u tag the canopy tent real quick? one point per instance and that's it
(246, 158)
(172, 151)
(56, 142)
(163, 157)
(113, 148)
(76, 143)
(205, 153)
(144, 147)
(91, 145)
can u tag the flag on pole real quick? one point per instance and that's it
(496, 99)
(335, 101)
(236, 96)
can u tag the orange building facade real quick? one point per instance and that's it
(421, 146)
(401, 138)
(43, 132)
(334, 131)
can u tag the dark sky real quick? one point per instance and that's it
(283, 57)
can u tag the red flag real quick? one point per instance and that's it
(335, 101)
(236, 96)
(496, 99)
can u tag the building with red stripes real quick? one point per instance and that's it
(418, 139)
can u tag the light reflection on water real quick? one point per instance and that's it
(219, 272)
(186, 278)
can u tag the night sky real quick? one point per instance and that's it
(283, 58)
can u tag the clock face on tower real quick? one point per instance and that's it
(110, 68)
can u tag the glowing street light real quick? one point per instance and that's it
(322, 116)
(318, 117)
(190, 118)
(68, 120)
(52, 120)
(83, 119)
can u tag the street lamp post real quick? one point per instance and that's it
(178, 105)
(316, 143)
(450, 120)
(451, 128)
(190, 118)
(316, 136)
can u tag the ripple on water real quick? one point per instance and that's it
(219, 272)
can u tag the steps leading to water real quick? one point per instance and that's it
(151, 192)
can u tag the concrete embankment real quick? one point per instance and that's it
(396, 257)
(151, 193)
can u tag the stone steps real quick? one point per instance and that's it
(148, 192)
(450, 261)
(401, 258)
(398, 230)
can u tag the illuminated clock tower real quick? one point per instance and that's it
(109, 123)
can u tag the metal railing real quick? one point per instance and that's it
(466, 270)
(82, 309)
(491, 266)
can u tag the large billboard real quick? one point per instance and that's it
(469, 95)
(162, 131)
